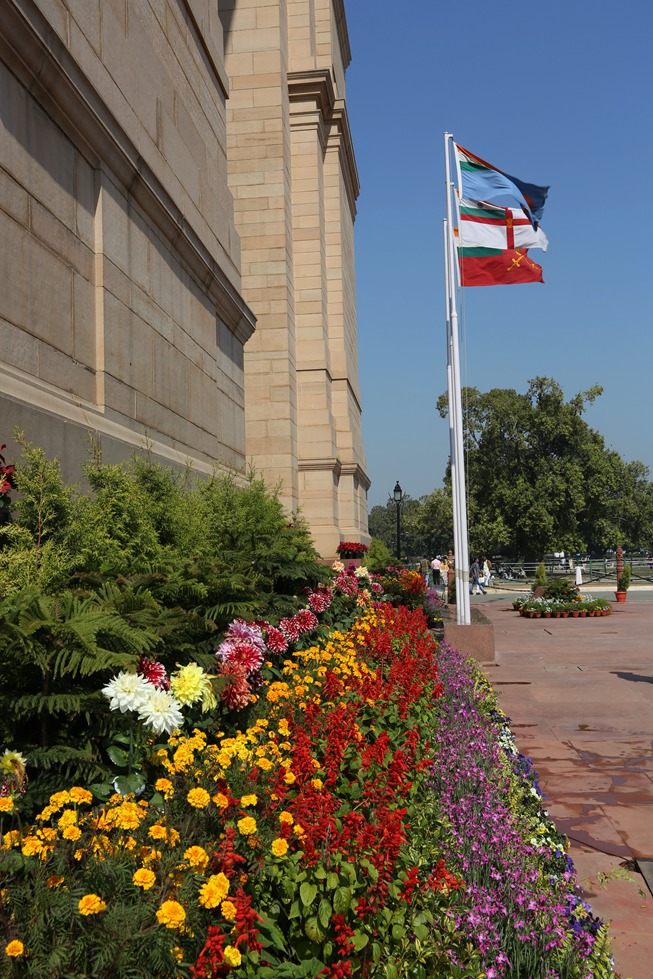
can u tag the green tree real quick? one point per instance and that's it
(540, 479)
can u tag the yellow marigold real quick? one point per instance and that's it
(6, 804)
(224, 759)
(144, 878)
(59, 799)
(279, 847)
(232, 956)
(14, 948)
(158, 832)
(248, 800)
(173, 836)
(31, 846)
(78, 854)
(198, 798)
(289, 778)
(171, 914)
(265, 764)
(68, 818)
(55, 880)
(165, 786)
(77, 795)
(127, 816)
(91, 904)
(246, 825)
(72, 833)
(228, 909)
(286, 817)
(129, 843)
(284, 728)
(221, 800)
(317, 783)
(214, 891)
(197, 857)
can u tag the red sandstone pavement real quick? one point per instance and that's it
(580, 696)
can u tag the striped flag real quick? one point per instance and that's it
(485, 225)
(494, 267)
(483, 182)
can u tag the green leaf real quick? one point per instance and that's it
(391, 970)
(320, 872)
(295, 911)
(332, 880)
(324, 912)
(421, 932)
(341, 899)
(376, 953)
(398, 932)
(273, 932)
(314, 930)
(360, 940)
(130, 783)
(307, 893)
(118, 755)
(101, 790)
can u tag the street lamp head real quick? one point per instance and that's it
(397, 494)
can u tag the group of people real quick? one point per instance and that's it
(439, 571)
(480, 575)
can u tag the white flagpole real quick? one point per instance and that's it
(450, 389)
(459, 496)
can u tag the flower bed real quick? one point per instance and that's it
(556, 608)
(358, 818)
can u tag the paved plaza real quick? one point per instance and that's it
(580, 696)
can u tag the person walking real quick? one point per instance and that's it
(436, 565)
(475, 577)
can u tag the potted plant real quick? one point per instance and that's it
(351, 549)
(623, 584)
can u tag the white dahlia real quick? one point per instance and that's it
(127, 691)
(161, 712)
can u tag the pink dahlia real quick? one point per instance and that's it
(154, 672)
(238, 693)
(245, 653)
(247, 632)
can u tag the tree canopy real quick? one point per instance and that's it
(539, 479)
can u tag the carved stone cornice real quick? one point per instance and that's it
(37, 56)
(314, 85)
(354, 469)
(330, 464)
(340, 130)
(343, 33)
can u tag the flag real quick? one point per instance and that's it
(483, 182)
(491, 267)
(485, 225)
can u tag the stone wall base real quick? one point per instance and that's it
(475, 640)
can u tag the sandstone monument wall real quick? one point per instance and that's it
(177, 199)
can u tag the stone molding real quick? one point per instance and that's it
(42, 63)
(343, 33)
(316, 86)
(331, 464)
(355, 470)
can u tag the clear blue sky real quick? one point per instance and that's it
(559, 94)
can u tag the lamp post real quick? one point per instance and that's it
(397, 496)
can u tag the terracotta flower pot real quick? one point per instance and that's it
(620, 596)
(574, 615)
(564, 614)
